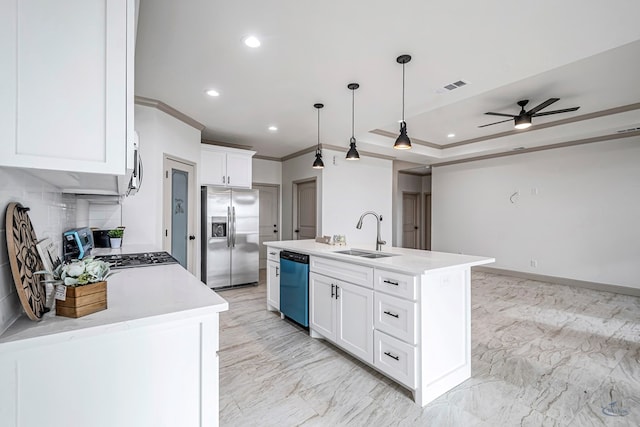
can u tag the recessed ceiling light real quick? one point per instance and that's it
(451, 135)
(213, 92)
(273, 128)
(252, 41)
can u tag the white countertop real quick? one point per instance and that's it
(412, 261)
(135, 297)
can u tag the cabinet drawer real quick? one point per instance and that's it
(397, 284)
(358, 274)
(273, 254)
(395, 358)
(396, 317)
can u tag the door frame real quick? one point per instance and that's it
(294, 205)
(192, 246)
(426, 227)
(279, 204)
(417, 217)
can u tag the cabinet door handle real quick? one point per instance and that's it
(388, 313)
(391, 355)
(228, 180)
(224, 179)
(332, 294)
(391, 283)
(277, 271)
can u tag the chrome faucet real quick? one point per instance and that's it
(379, 241)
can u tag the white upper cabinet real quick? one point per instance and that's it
(66, 99)
(229, 167)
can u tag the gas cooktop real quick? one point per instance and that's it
(143, 259)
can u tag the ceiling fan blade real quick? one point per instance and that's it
(490, 124)
(545, 104)
(501, 114)
(566, 110)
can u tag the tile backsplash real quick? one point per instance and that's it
(51, 213)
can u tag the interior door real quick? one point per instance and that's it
(306, 209)
(410, 220)
(179, 211)
(269, 217)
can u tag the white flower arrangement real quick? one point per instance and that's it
(78, 273)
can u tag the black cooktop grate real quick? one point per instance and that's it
(143, 259)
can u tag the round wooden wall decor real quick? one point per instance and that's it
(24, 260)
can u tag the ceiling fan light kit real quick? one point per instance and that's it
(403, 142)
(318, 163)
(352, 154)
(523, 119)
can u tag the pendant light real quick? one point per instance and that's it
(352, 154)
(403, 142)
(318, 163)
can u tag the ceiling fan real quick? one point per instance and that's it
(523, 119)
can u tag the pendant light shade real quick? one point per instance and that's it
(352, 154)
(403, 142)
(318, 163)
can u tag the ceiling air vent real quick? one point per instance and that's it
(456, 85)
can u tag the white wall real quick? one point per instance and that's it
(159, 134)
(51, 213)
(345, 191)
(266, 171)
(576, 212)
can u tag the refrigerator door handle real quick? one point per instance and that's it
(229, 229)
(233, 218)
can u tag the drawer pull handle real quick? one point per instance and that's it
(277, 271)
(391, 355)
(391, 283)
(388, 313)
(272, 253)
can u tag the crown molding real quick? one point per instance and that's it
(149, 102)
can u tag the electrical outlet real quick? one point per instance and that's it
(534, 263)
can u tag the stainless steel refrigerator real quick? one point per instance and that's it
(230, 247)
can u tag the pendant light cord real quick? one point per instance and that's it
(352, 111)
(402, 92)
(318, 149)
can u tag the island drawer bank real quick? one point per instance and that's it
(150, 359)
(407, 314)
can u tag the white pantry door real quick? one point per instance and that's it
(179, 211)
(269, 223)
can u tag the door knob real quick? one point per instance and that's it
(296, 231)
(415, 228)
(275, 231)
(192, 237)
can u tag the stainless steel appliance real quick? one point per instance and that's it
(142, 259)
(229, 236)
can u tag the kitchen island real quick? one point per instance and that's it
(149, 359)
(404, 312)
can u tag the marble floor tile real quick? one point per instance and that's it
(542, 355)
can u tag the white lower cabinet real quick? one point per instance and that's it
(164, 374)
(273, 285)
(395, 358)
(342, 313)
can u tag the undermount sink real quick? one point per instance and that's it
(364, 254)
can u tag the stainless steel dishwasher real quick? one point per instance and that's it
(294, 286)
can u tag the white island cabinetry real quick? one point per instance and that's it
(407, 315)
(273, 279)
(149, 359)
(68, 72)
(340, 311)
